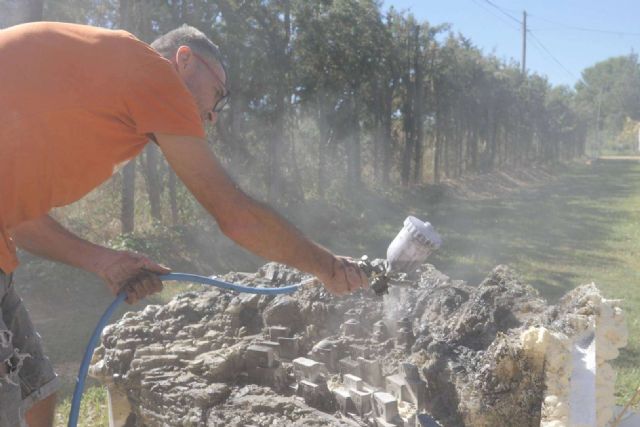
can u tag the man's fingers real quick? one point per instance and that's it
(131, 296)
(156, 284)
(354, 275)
(355, 281)
(151, 266)
(133, 273)
(146, 286)
(152, 284)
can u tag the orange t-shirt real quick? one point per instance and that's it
(75, 101)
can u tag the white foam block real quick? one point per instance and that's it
(582, 394)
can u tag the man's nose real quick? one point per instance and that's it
(212, 117)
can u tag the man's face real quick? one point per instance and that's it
(205, 79)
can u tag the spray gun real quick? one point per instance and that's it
(410, 248)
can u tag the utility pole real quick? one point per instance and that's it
(524, 42)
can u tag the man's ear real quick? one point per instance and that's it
(184, 59)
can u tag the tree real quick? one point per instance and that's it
(607, 94)
(357, 99)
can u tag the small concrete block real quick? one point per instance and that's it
(352, 382)
(396, 386)
(317, 395)
(276, 332)
(308, 386)
(371, 371)
(289, 348)
(275, 377)
(415, 392)
(385, 406)
(361, 401)
(343, 399)
(271, 344)
(327, 354)
(416, 388)
(307, 369)
(359, 351)
(351, 328)
(349, 366)
(259, 355)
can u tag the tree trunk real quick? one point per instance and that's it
(127, 214)
(173, 198)
(387, 137)
(491, 139)
(377, 131)
(276, 147)
(408, 119)
(437, 149)
(152, 179)
(323, 144)
(354, 167)
(418, 110)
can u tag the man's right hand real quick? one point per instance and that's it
(343, 277)
(135, 273)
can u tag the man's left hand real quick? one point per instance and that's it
(135, 273)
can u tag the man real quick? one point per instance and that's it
(75, 102)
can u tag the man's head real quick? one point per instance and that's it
(199, 63)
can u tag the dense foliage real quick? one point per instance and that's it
(335, 96)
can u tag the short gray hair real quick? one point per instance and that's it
(186, 35)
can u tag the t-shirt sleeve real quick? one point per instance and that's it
(158, 100)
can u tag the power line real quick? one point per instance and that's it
(537, 41)
(504, 12)
(542, 46)
(494, 15)
(585, 29)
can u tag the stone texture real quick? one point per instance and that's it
(465, 355)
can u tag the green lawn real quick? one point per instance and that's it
(583, 226)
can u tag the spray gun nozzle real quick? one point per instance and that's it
(410, 248)
(376, 271)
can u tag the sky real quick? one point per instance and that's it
(564, 36)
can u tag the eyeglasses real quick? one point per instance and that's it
(224, 98)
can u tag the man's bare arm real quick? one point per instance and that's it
(47, 238)
(250, 223)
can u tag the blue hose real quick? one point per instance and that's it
(178, 277)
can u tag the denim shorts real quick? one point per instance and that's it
(30, 376)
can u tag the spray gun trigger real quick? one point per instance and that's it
(377, 274)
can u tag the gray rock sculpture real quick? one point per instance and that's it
(438, 352)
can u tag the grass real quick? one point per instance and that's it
(93, 411)
(582, 227)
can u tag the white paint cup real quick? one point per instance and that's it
(413, 244)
